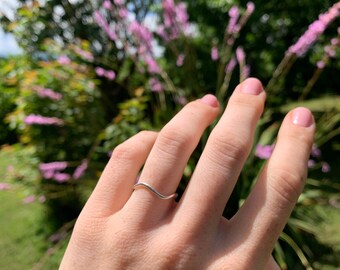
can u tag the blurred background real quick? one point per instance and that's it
(79, 77)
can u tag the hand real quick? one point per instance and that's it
(121, 229)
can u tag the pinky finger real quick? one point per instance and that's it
(116, 183)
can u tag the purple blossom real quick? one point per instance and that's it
(64, 60)
(316, 152)
(250, 8)
(123, 12)
(110, 75)
(104, 25)
(182, 14)
(155, 85)
(180, 60)
(231, 65)
(53, 166)
(320, 64)
(49, 170)
(42, 199)
(119, 2)
(264, 151)
(84, 54)
(81, 169)
(33, 119)
(142, 34)
(107, 4)
(100, 71)
(325, 168)
(47, 93)
(314, 31)
(245, 72)
(311, 163)
(176, 21)
(181, 100)
(28, 199)
(240, 55)
(214, 53)
(5, 186)
(152, 65)
(234, 14)
(61, 177)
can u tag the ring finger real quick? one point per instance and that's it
(164, 167)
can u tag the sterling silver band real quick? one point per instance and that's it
(150, 188)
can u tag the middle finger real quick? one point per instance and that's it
(223, 157)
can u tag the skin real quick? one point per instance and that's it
(121, 229)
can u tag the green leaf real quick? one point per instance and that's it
(317, 105)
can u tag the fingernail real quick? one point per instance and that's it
(302, 117)
(210, 100)
(251, 86)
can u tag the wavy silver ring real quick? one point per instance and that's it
(150, 188)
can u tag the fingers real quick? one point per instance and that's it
(265, 213)
(224, 155)
(164, 167)
(115, 185)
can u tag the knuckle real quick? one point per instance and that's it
(123, 152)
(172, 141)
(287, 184)
(229, 149)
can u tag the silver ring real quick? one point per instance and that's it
(150, 188)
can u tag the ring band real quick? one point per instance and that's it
(150, 188)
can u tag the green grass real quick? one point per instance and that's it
(24, 234)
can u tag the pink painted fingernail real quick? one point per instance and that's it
(302, 117)
(210, 100)
(251, 86)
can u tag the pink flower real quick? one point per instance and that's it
(180, 60)
(47, 93)
(33, 119)
(311, 163)
(240, 55)
(214, 53)
(84, 54)
(316, 152)
(156, 85)
(320, 64)
(325, 168)
(250, 8)
(54, 166)
(42, 199)
(29, 199)
(245, 72)
(100, 71)
(264, 151)
(81, 169)
(234, 15)
(181, 100)
(123, 12)
(110, 74)
(5, 186)
(61, 177)
(49, 170)
(314, 31)
(64, 60)
(107, 4)
(152, 65)
(231, 65)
